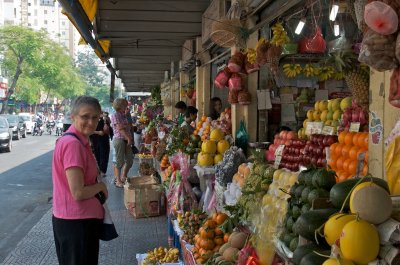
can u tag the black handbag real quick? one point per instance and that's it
(135, 150)
(107, 230)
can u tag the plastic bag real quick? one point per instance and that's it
(378, 51)
(381, 18)
(235, 83)
(315, 44)
(221, 80)
(242, 136)
(339, 44)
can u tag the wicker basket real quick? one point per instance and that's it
(225, 32)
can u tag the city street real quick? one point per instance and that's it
(25, 193)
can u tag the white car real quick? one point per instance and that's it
(29, 120)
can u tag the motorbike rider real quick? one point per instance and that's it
(38, 126)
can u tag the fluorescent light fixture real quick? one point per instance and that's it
(336, 29)
(334, 11)
(300, 26)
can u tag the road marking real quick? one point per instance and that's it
(18, 185)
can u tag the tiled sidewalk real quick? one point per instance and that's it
(135, 236)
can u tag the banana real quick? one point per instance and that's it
(292, 70)
(280, 36)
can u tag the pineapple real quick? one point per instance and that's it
(356, 75)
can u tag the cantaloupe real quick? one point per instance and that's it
(238, 240)
(371, 202)
(231, 254)
(223, 248)
(333, 261)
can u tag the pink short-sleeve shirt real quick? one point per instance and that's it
(70, 152)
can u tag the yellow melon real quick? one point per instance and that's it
(359, 242)
(333, 261)
(216, 135)
(222, 146)
(334, 226)
(218, 158)
(205, 160)
(209, 147)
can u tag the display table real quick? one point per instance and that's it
(140, 258)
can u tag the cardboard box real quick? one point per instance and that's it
(142, 196)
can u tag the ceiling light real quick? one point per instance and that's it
(334, 11)
(300, 26)
(336, 29)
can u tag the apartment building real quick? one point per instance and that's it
(41, 14)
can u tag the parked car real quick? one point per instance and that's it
(5, 135)
(29, 120)
(17, 125)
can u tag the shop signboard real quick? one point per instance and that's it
(3, 93)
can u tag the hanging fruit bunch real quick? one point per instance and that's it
(292, 70)
(280, 36)
(261, 51)
(310, 71)
(325, 73)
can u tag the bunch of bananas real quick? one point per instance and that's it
(280, 36)
(161, 255)
(251, 55)
(292, 70)
(309, 70)
(338, 75)
(326, 73)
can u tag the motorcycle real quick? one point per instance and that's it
(37, 129)
(59, 128)
(50, 126)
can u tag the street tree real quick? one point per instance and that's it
(37, 66)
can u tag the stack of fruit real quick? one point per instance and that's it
(312, 184)
(212, 150)
(314, 152)
(224, 122)
(209, 238)
(161, 255)
(164, 163)
(280, 36)
(203, 127)
(190, 222)
(344, 155)
(229, 252)
(283, 138)
(243, 172)
(194, 145)
(328, 112)
(354, 113)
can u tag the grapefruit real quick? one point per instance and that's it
(345, 103)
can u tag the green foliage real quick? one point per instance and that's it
(36, 65)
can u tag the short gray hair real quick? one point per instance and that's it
(85, 100)
(119, 103)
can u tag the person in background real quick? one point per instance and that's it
(100, 140)
(107, 120)
(190, 116)
(77, 213)
(66, 122)
(180, 108)
(216, 105)
(122, 141)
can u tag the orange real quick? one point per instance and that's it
(339, 163)
(362, 140)
(342, 175)
(353, 152)
(203, 118)
(352, 169)
(348, 139)
(341, 137)
(346, 164)
(355, 138)
(364, 171)
(332, 163)
(346, 150)
(332, 148)
(338, 150)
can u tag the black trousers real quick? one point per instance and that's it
(77, 241)
(101, 150)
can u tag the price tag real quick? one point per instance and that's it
(354, 127)
(277, 161)
(279, 150)
(328, 130)
(314, 128)
(308, 128)
(327, 154)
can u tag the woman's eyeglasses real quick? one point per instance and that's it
(87, 117)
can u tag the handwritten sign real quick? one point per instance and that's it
(354, 127)
(314, 128)
(277, 161)
(328, 130)
(279, 150)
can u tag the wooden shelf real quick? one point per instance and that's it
(303, 57)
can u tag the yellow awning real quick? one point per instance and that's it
(90, 8)
(105, 44)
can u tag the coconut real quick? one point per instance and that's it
(238, 240)
(231, 254)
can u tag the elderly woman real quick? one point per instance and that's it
(77, 213)
(122, 141)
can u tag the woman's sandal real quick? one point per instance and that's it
(119, 185)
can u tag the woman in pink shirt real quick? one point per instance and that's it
(77, 213)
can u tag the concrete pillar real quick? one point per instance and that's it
(203, 84)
